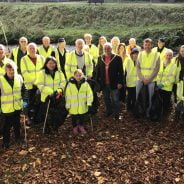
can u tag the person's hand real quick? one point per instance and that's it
(25, 104)
(160, 86)
(119, 86)
(146, 82)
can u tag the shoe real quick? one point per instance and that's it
(5, 145)
(75, 131)
(82, 130)
(117, 117)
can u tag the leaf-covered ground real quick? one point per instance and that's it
(129, 151)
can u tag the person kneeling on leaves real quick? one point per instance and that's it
(79, 98)
(51, 83)
(12, 90)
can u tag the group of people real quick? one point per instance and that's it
(36, 79)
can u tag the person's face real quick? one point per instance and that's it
(2, 52)
(182, 52)
(32, 49)
(102, 41)
(147, 46)
(134, 56)
(132, 43)
(51, 65)
(78, 76)
(46, 42)
(88, 40)
(62, 45)
(160, 44)
(121, 49)
(79, 46)
(23, 42)
(10, 72)
(107, 50)
(115, 42)
(168, 56)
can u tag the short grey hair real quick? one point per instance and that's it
(107, 44)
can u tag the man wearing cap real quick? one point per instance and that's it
(46, 49)
(61, 55)
(78, 59)
(131, 78)
(147, 69)
(20, 51)
(161, 49)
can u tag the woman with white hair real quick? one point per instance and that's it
(115, 41)
(166, 78)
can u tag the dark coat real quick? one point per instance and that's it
(116, 75)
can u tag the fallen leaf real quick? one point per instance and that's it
(23, 152)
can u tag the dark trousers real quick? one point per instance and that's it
(78, 119)
(11, 120)
(33, 107)
(131, 98)
(166, 97)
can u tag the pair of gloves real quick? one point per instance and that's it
(56, 94)
(160, 86)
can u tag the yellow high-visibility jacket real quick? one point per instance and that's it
(167, 75)
(78, 100)
(131, 72)
(94, 52)
(58, 60)
(30, 71)
(47, 85)
(162, 54)
(180, 91)
(45, 53)
(71, 65)
(148, 62)
(2, 69)
(11, 99)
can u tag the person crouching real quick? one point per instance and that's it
(11, 88)
(79, 97)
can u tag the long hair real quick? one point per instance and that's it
(50, 58)
(118, 49)
(179, 56)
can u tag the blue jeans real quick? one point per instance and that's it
(111, 99)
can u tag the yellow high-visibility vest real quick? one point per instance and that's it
(30, 71)
(161, 54)
(148, 62)
(77, 101)
(2, 69)
(47, 85)
(180, 91)
(71, 64)
(94, 52)
(11, 99)
(45, 53)
(57, 57)
(167, 76)
(131, 71)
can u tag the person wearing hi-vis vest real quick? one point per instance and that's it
(51, 83)
(79, 98)
(131, 78)
(3, 60)
(31, 64)
(147, 69)
(78, 59)
(93, 50)
(46, 49)
(12, 91)
(161, 49)
(166, 78)
(61, 55)
(19, 52)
